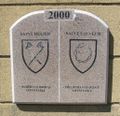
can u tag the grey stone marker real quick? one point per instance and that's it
(59, 56)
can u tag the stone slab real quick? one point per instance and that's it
(47, 110)
(57, 1)
(80, 76)
(56, 53)
(10, 14)
(39, 53)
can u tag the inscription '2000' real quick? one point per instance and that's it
(59, 15)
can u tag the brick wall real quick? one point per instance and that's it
(12, 10)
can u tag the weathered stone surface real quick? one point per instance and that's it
(48, 110)
(9, 15)
(116, 81)
(5, 80)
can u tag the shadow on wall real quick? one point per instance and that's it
(78, 108)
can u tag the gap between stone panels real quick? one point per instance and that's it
(51, 4)
(4, 56)
(6, 102)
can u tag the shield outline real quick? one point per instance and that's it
(71, 57)
(46, 58)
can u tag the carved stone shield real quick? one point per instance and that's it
(83, 53)
(35, 53)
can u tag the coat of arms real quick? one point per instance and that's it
(35, 53)
(83, 53)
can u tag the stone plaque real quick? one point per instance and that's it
(59, 56)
